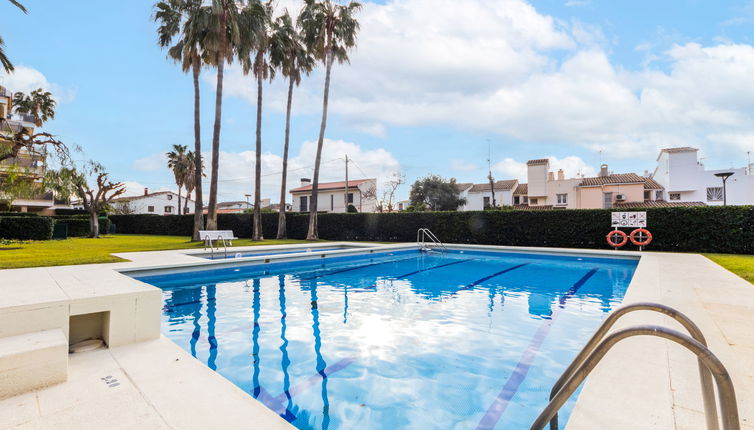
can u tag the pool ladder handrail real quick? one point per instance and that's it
(421, 239)
(709, 366)
(208, 240)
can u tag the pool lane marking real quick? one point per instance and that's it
(487, 278)
(277, 403)
(501, 402)
(435, 267)
(355, 268)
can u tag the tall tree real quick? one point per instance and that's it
(222, 38)
(187, 20)
(178, 163)
(436, 193)
(289, 55)
(329, 32)
(40, 104)
(255, 42)
(190, 182)
(4, 60)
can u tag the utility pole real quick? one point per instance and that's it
(489, 170)
(345, 196)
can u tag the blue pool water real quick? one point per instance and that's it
(467, 340)
(231, 254)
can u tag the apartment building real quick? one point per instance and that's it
(28, 165)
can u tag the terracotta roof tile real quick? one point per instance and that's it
(651, 184)
(533, 208)
(332, 185)
(499, 185)
(656, 204)
(463, 186)
(522, 189)
(623, 178)
(537, 162)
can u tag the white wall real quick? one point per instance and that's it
(537, 178)
(141, 204)
(475, 200)
(681, 173)
(334, 200)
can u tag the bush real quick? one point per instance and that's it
(26, 227)
(16, 214)
(78, 226)
(685, 229)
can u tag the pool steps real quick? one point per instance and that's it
(32, 360)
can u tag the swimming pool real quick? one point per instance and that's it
(405, 339)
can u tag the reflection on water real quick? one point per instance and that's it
(414, 342)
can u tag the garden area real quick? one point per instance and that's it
(19, 254)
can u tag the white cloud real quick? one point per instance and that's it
(152, 163)
(462, 166)
(236, 173)
(572, 166)
(26, 79)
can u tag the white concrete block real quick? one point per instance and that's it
(31, 361)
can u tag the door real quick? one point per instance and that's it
(304, 206)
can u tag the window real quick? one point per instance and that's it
(675, 196)
(350, 197)
(607, 200)
(715, 194)
(486, 203)
(526, 199)
(150, 208)
(562, 199)
(647, 195)
(332, 202)
(533, 201)
(516, 200)
(168, 209)
(304, 205)
(658, 195)
(170, 197)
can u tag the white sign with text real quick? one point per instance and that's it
(629, 219)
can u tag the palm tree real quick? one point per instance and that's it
(178, 163)
(39, 103)
(256, 23)
(329, 32)
(7, 65)
(189, 179)
(288, 54)
(186, 17)
(222, 38)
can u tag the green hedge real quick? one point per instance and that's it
(78, 226)
(685, 229)
(26, 227)
(17, 214)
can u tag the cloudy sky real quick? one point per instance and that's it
(433, 87)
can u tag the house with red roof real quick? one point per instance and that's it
(359, 193)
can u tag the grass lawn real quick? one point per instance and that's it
(86, 251)
(741, 265)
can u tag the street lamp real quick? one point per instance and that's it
(724, 176)
(248, 196)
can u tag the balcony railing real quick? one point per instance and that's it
(25, 117)
(5, 93)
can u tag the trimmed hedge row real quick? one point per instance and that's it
(78, 226)
(684, 229)
(26, 227)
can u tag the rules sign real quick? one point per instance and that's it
(629, 219)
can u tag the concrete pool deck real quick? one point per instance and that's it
(643, 383)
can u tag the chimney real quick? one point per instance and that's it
(603, 171)
(146, 191)
(551, 176)
(561, 175)
(305, 182)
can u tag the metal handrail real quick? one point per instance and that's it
(725, 390)
(421, 236)
(219, 238)
(708, 392)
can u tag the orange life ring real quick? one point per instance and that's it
(644, 242)
(618, 233)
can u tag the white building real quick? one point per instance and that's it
(686, 180)
(159, 203)
(362, 194)
(479, 196)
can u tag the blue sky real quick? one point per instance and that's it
(432, 86)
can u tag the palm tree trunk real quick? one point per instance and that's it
(257, 233)
(212, 209)
(179, 199)
(313, 233)
(282, 233)
(198, 205)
